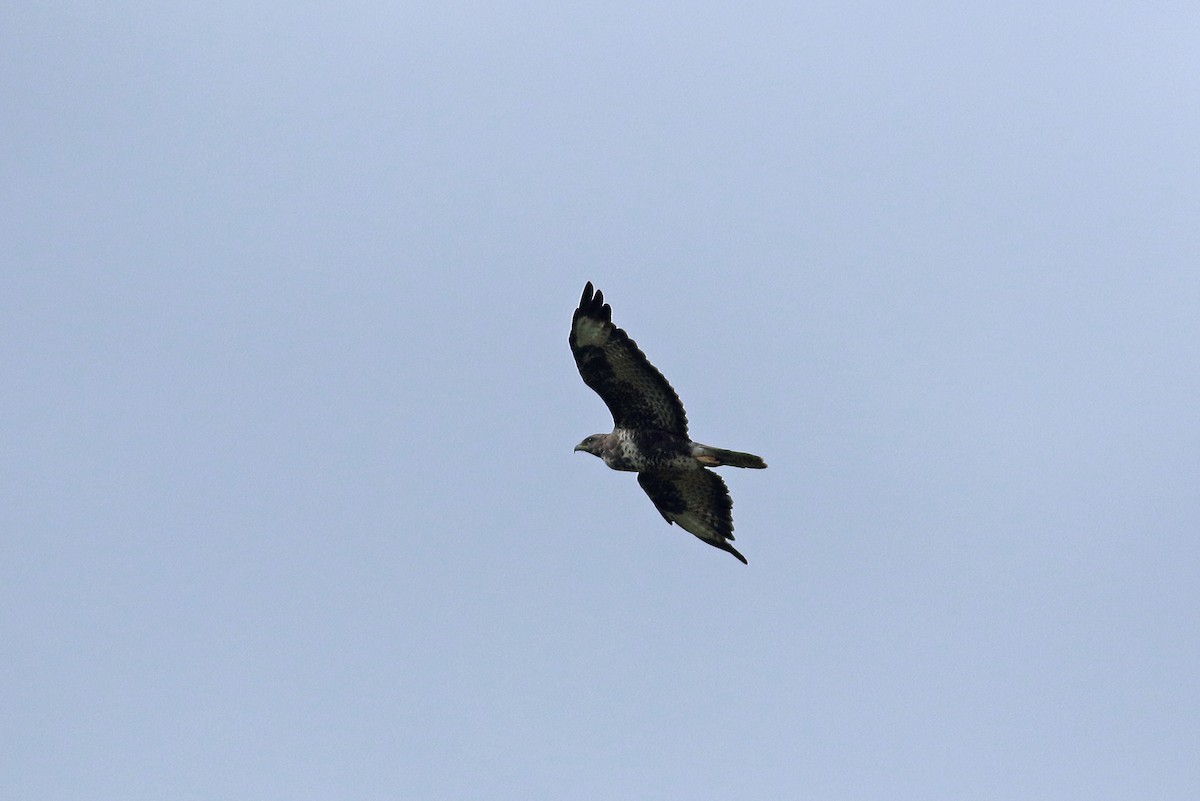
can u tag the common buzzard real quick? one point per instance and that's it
(649, 435)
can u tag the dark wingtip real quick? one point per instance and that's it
(591, 303)
(591, 298)
(724, 545)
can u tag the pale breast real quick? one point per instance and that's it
(636, 451)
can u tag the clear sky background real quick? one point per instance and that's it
(289, 508)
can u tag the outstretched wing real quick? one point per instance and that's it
(609, 361)
(697, 500)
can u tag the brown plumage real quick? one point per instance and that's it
(649, 433)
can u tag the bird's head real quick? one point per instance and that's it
(592, 444)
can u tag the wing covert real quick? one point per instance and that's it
(635, 392)
(697, 500)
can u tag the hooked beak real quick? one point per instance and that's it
(579, 447)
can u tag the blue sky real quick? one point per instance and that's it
(289, 505)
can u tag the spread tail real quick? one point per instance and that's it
(717, 457)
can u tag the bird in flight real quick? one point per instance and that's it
(649, 435)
